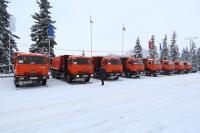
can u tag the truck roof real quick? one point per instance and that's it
(78, 56)
(30, 54)
(132, 58)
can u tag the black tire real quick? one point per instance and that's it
(116, 78)
(138, 76)
(16, 84)
(44, 82)
(56, 74)
(69, 78)
(87, 79)
(127, 74)
(53, 73)
(155, 74)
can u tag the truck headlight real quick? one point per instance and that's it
(77, 76)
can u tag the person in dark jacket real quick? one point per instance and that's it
(102, 75)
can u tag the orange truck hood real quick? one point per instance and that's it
(80, 69)
(167, 67)
(113, 68)
(31, 69)
(153, 67)
(136, 67)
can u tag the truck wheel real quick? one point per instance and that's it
(138, 76)
(69, 79)
(155, 74)
(127, 74)
(116, 78)
(87, 79)
(44, 82)
(17, 84)
(56, 75)
(53, 73)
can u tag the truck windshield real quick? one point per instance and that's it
(82, 61)
(137, 62)
(157, 62)
(31, 60)
(114, 61)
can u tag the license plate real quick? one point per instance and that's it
(33, 78)
(84, 76)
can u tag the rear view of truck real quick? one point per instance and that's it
(132, 67)
(111, 66)
(30, 67)
(72, 68)
(151, 67)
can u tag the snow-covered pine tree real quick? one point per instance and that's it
(153, 54)
(138, 49)
(39, 31)
(185, 55)
(193, 55)
(4, 38)
(174, 51)
(165, 50)
(83, 53)
(198, 57)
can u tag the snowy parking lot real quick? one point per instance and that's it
(163, 104)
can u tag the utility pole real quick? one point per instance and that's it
(123, 30)
(91, 33)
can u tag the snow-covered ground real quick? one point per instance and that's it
(164, 104)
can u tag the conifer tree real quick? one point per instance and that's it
(174, 51)
(153, 54)
(165, 50)
(193, 55)
(185, 56)
(198, 57)
(39, 31)
(138, 49)
(5, 34)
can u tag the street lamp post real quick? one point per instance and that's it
(123, 29)
(91, 34)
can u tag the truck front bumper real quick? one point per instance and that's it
(31, 78)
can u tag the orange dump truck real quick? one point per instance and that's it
(179, 67)
(30, 67)
(72, 68)
(167, 67)
(111, 66)
(151, 67)
(187, 66)
(132, 67)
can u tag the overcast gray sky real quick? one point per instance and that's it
(142, 18)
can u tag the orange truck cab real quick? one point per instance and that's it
(72, 68)
(151, 67)
(111, 66)
(132, 67)
(187, 66)
(30, 67)
(179, 67)
(167, 67)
